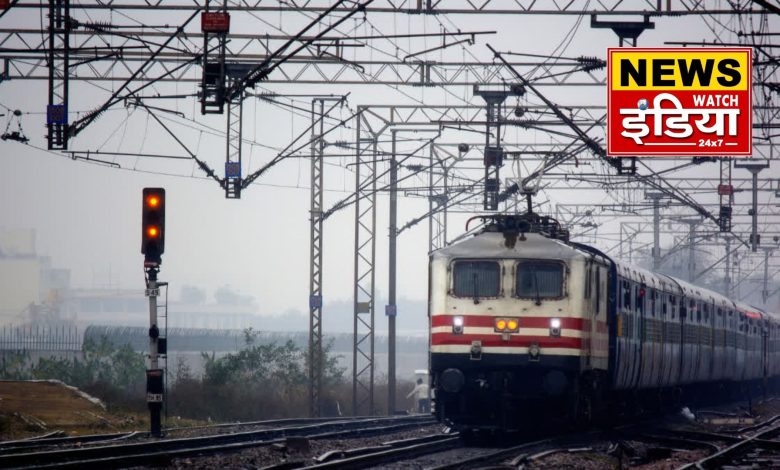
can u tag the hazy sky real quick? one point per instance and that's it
(87, 216)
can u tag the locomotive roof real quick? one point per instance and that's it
(492, 245)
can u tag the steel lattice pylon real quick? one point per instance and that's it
(233, 156)
(365, 255)
(437, 201)
(212, 87)
(58, 58)
(316, 363)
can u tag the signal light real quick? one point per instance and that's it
(506, 325)
(153, 225)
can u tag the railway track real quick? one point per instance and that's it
(383, 454)
(57, 439)
(270, 423)
(61, 440)
(160, 452)
(757, 451)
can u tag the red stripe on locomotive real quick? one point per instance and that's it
(515, 340)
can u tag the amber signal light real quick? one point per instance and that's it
(153, 225)
(506, 325)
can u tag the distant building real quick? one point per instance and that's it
(30, 289)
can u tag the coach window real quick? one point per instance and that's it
(639, 298)
(476, 279)
(652, 302)
(626, 295)
(539, 280)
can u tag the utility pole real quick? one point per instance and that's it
(391, 309)
(154, 375)
(315, 268)
(494, 153)
(727, 287)
(655, 197)
(692, 223)
(765, 291)
(754, 167)
(365, 257)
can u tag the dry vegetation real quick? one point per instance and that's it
(260, 381)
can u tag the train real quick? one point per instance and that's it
(523, 319)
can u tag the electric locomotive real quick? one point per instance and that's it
(522, 319)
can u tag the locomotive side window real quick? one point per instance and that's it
(476, 279)
(588, 277)
(539, 279)
(598, 291)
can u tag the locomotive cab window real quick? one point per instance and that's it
(539, 280)
(476, 279)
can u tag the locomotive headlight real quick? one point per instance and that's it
(457, 325)
(555, 327)
(512, 324)
(500, 324)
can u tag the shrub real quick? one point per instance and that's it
(258, 382)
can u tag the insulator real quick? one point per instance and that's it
(98, 24)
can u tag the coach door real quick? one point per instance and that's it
(626, 363)
(686, 327)
(741, 345)
(706, 341)
(672, 340)
(719, 344)
(639, 334)
(730, 349)
(696, 308)
(764, 330)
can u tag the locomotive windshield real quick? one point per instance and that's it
(476, 279)
(539, 279)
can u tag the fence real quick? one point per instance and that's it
(40, 340)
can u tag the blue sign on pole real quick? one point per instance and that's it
(56, 114)
(315, 301)
(232, 169)
(391, 310)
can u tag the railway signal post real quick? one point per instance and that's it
(152, 247)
